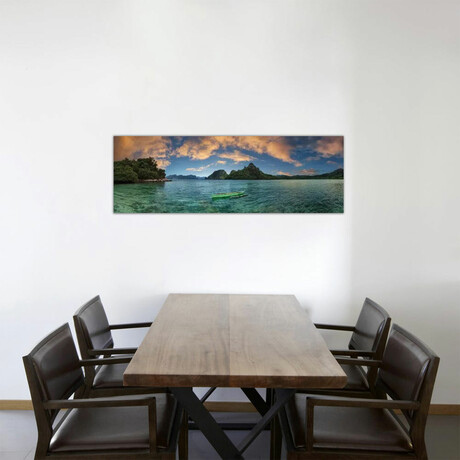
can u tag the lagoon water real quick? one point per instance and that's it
(262, 196)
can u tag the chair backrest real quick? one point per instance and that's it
(53, 372)
(408, 372)
(371, 330)
(92, 327)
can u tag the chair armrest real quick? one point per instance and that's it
(111, 351)
(362, 402)
(334, 327)
(353, 353)
(97, 402)
(129, 325)
(148, 401)
(313, 401)
(100, 361)
(360, 362)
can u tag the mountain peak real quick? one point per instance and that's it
(220, 174)
(251, 171)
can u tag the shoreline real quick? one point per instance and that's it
(146, 181)
(149, 181)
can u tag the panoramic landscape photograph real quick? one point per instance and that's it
(228, 174)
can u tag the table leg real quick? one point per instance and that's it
(208, 426)
(208, 394)
(214, 433)
(285, 429)
(282, 397)
(258, 402)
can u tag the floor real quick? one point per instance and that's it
(18, 438)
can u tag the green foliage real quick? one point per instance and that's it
(132, 171)
(337, 174)
(251, 171)
(218, 175)
(123, 174)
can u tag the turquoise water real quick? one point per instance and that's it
(264, 196)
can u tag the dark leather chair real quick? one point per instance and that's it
(323, 427)
(365, 350)
(131, 427)
(95, 339)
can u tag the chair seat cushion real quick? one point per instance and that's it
(106, 428)
(355, 378)
(109, 376)
(356, 381)
(347, 428)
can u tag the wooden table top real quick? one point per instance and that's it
(201, 340)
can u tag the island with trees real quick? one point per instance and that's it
(141, 170)
(146, 170)
(252, 172)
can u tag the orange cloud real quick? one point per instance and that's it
(157, 147)
(275, 146)
(308, 172)
(221, 162)
(236, 156)
(200, 148)
(162, 163)
(329, 146)
(203, 147)
(282, 173)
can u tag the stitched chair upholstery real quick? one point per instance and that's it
(144, 426)
(94, 335)
(365, 350)
(335, 427)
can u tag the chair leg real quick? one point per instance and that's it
(183, 437)
(275, 439)
(80, 393)
(422, 455)
(166, 456)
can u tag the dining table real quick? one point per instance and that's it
(233, 340)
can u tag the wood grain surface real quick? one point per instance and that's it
(224, 340)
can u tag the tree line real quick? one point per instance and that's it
(131, 171)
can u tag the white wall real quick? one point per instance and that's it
(385, 74)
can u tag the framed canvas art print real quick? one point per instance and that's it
(228, 174)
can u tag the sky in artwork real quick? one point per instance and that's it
(202, 155)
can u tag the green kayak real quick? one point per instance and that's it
(221, 196)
